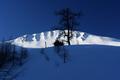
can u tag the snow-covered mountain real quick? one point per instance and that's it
(96, 62)
(46, 39)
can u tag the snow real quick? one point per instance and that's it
(91, 57)
(86, 63)
(46, 39)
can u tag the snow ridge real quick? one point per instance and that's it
(46, 39)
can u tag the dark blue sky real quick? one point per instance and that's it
(19, 17)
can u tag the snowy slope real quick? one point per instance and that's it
(46, 39)
(86, 63)
(98, 58)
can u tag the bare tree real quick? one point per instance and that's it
(63, 53)
(23, 55)
(67, 23)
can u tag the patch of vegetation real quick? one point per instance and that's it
(11, 55)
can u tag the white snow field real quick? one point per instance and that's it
(91, 57)
(92, 62)
(46, 39)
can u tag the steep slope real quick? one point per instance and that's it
(46, 39)
(85, 63)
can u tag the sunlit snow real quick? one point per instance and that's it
(48, 38)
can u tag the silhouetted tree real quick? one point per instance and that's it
(13, 54)
(62, 52)
(9, 54)
(67, 23)
(22, 55)
(4, 53)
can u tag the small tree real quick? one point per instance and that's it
(67, 23)
(23, 55)
(13, 57)
(63, 53)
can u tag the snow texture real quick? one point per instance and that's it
(46, 39)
